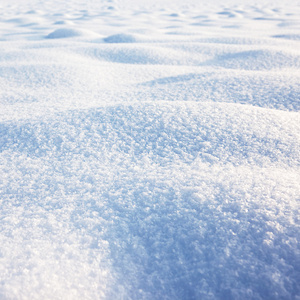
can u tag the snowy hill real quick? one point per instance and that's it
(149, 149)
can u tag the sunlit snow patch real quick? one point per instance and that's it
(121, 38)
(68, 33)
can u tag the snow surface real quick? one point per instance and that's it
(149, 149)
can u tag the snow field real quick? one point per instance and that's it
(149, 150)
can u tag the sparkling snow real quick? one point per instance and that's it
(149, 149)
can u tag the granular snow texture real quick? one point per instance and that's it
(149, 150)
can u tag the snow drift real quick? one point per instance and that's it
(149, 150)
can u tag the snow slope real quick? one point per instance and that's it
(149, 149)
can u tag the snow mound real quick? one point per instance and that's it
(260, 59)
(68, 33)
(121, 38)
(149, 151)
(199, 191)
(25, 21)
(295, 37)
(259, 89)
(64, 22)
(145, 54)
(167, 133)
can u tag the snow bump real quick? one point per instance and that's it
(121, 38)
(63, 33)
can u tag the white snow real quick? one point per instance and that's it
(67, 32)
(149, 149)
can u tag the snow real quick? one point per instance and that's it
(66, 33)
(121, 38)
(149, 149)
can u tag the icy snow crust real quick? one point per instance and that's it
(149, 150)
